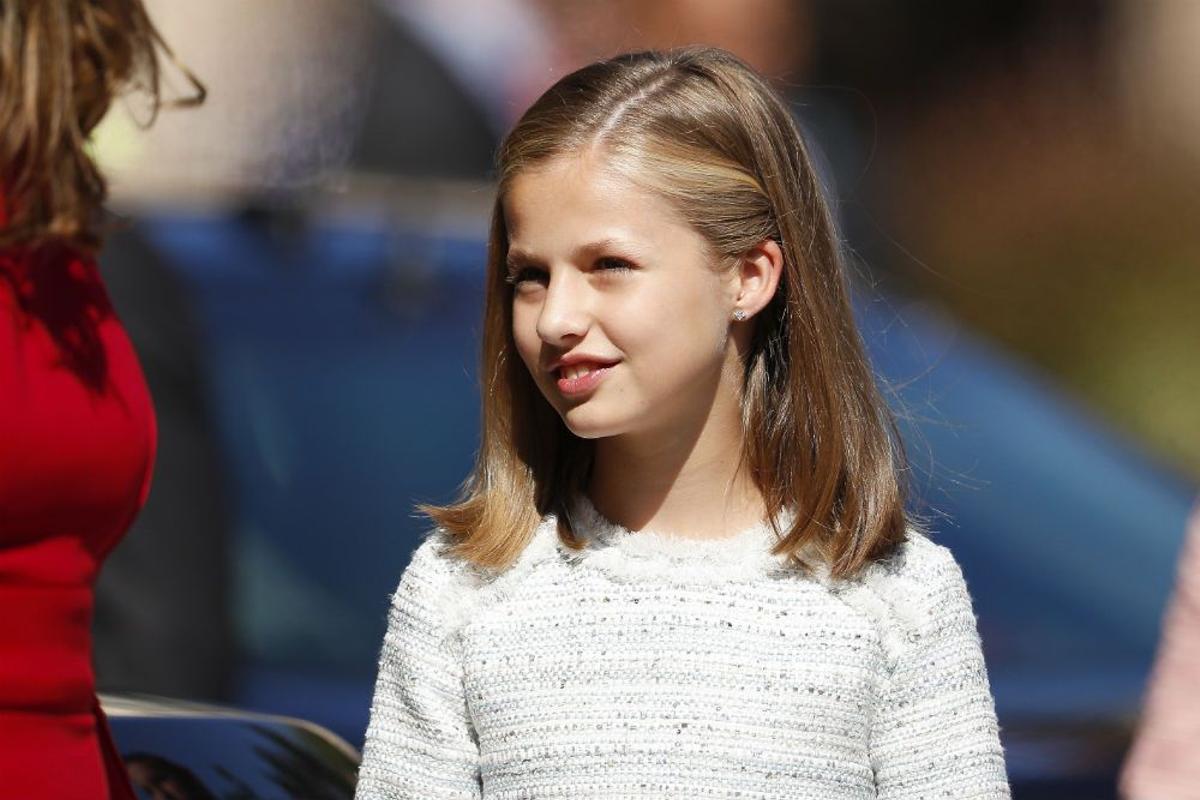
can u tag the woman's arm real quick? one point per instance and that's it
(420, 743)
(1164, 761)
(935, 732)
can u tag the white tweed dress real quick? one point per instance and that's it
(651, 665)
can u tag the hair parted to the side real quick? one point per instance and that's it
(62, 62)
(703, 130)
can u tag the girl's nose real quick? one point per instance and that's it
(564, 311)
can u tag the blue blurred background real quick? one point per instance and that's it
(300, 260)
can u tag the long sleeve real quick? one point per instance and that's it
(420, 742)
(935, 732)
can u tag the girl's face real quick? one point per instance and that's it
(608, 274)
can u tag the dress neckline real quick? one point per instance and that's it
(632, 554)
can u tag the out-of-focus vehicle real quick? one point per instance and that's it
(179, 750)
(342, 347)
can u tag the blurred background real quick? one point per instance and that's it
(299, 262)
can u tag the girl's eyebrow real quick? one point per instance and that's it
(517, 255)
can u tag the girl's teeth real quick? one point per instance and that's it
(575, 372)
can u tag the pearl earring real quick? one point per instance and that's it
(739, 315)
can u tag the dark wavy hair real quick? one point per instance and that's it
(62, 62)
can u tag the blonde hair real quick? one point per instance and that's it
(700, 128)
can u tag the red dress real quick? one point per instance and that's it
(77, 444)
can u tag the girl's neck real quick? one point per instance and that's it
(694, 491)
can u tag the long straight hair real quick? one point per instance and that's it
(700, 128)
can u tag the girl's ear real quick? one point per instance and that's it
(758, 274)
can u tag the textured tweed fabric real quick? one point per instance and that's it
(652, 665)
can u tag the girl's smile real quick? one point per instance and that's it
(576, 381)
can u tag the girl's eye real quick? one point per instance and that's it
(610, 264)
(524, 274)
(607, 264)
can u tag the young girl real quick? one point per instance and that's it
(682, 566)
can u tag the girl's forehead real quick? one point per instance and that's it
(566, 177)
(583, 193)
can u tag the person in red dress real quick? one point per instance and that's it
(77, 427)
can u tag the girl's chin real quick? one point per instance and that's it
(586, 424)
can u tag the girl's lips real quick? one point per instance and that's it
(574, 387)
